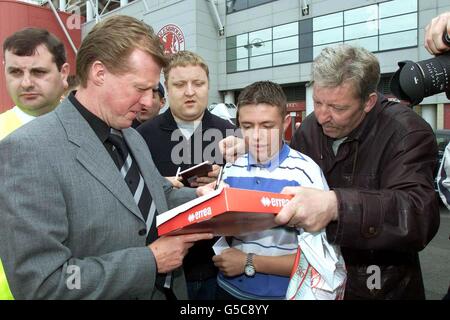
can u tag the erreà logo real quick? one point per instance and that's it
(200, 214)
(265, 201)
(274, 202)
(172, 38)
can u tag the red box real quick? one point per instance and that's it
(225, 212)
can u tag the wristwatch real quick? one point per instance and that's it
(249, 268)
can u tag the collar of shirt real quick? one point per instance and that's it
(170, 124)
(273, 163)
(100, 128)
(24, 117)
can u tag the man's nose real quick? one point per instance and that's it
(189, 89)
(26, 81)
(147, 98)
(255, 134)
(323, 114)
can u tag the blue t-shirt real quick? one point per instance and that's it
(287, 168)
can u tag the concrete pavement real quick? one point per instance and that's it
(435, 260)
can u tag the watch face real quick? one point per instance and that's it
(249, 270)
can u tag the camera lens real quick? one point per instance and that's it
(414, 81)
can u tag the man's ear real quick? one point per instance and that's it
(65, 71)
(286, 122)
(370, 103)
(97, 73)
(162, 103)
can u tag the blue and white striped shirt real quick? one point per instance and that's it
(288, 168)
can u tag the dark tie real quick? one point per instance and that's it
(133, 178)
(130, 172)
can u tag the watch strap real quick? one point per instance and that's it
(249, 261)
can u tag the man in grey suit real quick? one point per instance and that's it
(72, 226)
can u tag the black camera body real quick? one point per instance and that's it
(417, 80)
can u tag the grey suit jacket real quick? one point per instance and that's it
(69, 226)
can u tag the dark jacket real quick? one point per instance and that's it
(158, 135)
(136, 123)
(388, 211)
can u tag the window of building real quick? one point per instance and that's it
(257, 47)
(285, 44)
(398, 23)
(285, 57)
(318, 49)
(328, 36)
(370, 43)
(396, 7)
(260, 35)
(398, 40)
(238, 5)
(285, 30)
(261, 61)
(327, 22)
(359, 30)
(263, 48)
(295, 92)
(364, 14)
(376, 27)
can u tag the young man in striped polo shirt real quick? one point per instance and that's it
(259, 264)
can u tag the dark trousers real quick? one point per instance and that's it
(202, 289)
(223, 294)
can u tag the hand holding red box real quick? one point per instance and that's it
(226, 212)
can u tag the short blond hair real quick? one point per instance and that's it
(112, 41)
(183, 59)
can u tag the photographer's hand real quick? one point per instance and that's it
(434, 42)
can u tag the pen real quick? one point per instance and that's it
(219, 178)
(178, 173)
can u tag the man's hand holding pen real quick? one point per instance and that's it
(175, 181)
(213, 185)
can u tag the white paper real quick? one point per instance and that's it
(321, 272)
(323, 257)
(220, 245)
